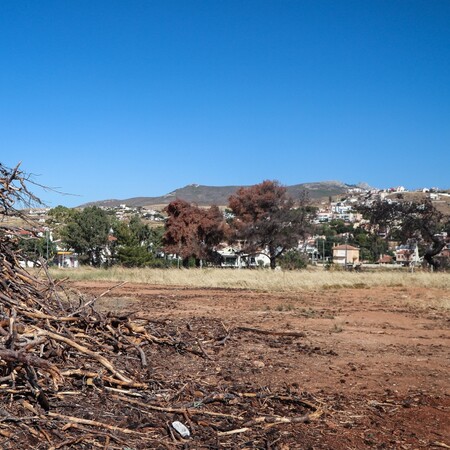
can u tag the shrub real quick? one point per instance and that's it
(293, 260)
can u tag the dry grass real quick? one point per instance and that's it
(263, 280)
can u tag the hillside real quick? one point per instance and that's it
(218, 195)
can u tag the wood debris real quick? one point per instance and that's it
(73, 377)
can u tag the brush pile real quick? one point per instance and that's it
(72, 377)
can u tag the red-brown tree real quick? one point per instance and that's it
(267, 219)
(193, 232)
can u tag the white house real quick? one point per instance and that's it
(232, 257)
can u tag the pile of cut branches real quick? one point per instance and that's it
(73, 377)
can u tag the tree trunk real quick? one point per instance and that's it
(435, 248)
(273, 262)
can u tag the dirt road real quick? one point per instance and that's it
(374, 362)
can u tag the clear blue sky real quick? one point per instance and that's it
(116, 99)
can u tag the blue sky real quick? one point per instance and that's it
(117, 99)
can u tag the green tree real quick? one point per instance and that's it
(58, 218)
(87, 234)
(340, 227)
(140, 231)
(371, 245)
(293, 260)
(137, 256)
(410, 220)
(156, 240)
(34, 248)
(137, 244)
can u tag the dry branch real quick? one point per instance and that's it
(275, 333)
(94, 423)
(191, 411)
(72, 361)
(101, 359)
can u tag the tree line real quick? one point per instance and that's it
(259, 219)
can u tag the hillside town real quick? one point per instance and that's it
(338, 218)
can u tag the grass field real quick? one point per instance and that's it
(263, 280)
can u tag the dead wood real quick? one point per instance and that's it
(299, 334)
(81, 348)
(191, 411)
(71, 377)
(92, 301)
(94, 423)
(31, 360)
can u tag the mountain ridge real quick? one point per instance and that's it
(204, 195)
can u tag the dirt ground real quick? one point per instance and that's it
(373, 364)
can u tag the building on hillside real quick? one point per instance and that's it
(385, 259)
(323, 217)
(341, 208)
(407, 255)
(346, 255)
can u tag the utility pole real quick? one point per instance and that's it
(346, 241)
(47, 238)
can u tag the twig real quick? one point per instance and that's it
(31, 360)
(86, 373)
(203, 350)
(177, 410)
(93, 423)
(69, 442)
(90, 302)
(276, 333)
(229, 433)
(136, 346)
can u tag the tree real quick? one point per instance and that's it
(410, 220)
(266, 221)
(34, 248)
(293, 260)
(136, 256)
(371, 245)
(58, 218)
(136, 244)
(192, 232)
(156, 240)
(87, 233)
(212, 230)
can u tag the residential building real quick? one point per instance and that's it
(345, 254)
(407, 254)
(232, 257)
(385, 259)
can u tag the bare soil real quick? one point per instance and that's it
(373, 364)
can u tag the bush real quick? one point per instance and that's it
(135, 256)
(293, 260)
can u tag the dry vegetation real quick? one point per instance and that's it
(260, 280)
(239, 367)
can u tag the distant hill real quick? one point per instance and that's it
(218, 195)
